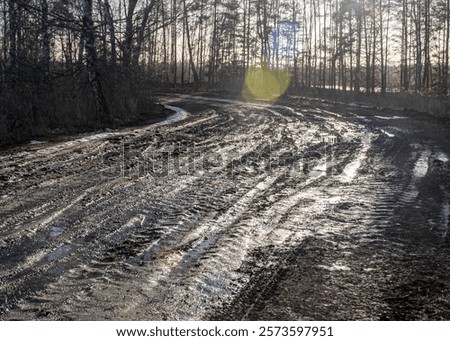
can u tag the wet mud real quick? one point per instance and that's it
(228, 211)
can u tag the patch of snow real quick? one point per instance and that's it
(421, 166)
(334, 267)
(92, 137)
(359, 105)
(179, 115)
(387, 133)
(390, 117)
(442, 157)
(36, 142)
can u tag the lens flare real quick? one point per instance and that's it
(264, 84)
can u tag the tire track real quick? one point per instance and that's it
(141, 223)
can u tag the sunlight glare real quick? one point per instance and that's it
(264, 84)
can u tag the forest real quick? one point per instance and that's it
(80, 64)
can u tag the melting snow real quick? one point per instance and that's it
(421, 166)
(36, 142)
(335, 267)
(442, 157)
(387, 133)
(179, 115)
(390, 117)
(93, 137)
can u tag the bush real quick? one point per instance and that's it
(31, 109)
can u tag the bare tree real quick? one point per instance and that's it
(91, 61)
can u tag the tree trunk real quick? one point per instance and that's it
(13, 43)
(368, 54)
(136, 51)
(91, 61)
(188, 37)
(173, 51)
(45, 59)
(374, 47)
(382, 71)
(213, 51)
(359, 14)
(427, 64)
(127, 45)
(404, 63)
(417, 22)
(446, 48)
(111, 29)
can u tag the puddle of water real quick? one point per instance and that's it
(59, 253)
(421, 166)
(55, 231)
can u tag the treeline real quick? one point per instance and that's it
(74, 62)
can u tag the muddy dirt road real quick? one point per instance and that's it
(231, 210)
